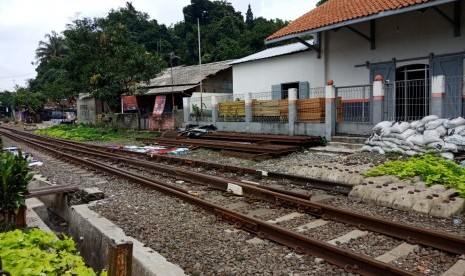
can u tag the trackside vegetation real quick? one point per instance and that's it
(430, 168)
(34, 252)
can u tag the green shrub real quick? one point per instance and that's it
(430, 168)
(14, 178)
(33, 252)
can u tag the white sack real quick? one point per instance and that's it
(400, 127)
(404, 135)
(381, 125)
(366, 148)
(414, 124)
(448, 155)
(427, 119)
(411, 153)
(435, 145)
(430, 136)
(419, 149)
(450, 147)
(459, 121)
(378, 150)
(455, 139)
(434, 124)
(416, 139)
(441, 130)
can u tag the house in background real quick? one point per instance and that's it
(160, 105)
(278, 69)
(408, 43)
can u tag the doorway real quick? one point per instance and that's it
(412, 92)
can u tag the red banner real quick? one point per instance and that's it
(159, 105)
(129, 103)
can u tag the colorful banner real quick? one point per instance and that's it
(159, 105)
(129, 103)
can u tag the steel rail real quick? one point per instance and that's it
(307, 182)
(446, 242)
(348, 260)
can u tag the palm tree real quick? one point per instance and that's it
(53, 46)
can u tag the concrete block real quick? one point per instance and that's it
(358, 192)
(371, 195)
(400, 251)
(448, 208)
(95, 233)
(311, 225)
(458, 269)
(405, 201)
(286, 217)
(424, 205)
(352, 235)
(388, 197)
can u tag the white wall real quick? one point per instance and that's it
(408, 35)
(258, 76)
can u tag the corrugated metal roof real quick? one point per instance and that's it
(167, 89)
(274, 52)
(188, 75)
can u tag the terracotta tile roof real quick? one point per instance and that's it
(336, 11)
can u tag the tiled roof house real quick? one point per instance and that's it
(411, 44)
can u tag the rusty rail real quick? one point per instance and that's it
(51, 190)
(412, 234)
(348, 260)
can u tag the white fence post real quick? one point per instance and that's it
(378, 99)
(292, 115)
(214, 109)
(438, 91)
(186, 101)
(248, 110)
(330, 110)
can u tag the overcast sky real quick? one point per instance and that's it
(23, 23)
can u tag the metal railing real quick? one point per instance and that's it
(407, 100)
(312, 110)
(354, 103)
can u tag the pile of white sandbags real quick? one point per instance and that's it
(430, 134)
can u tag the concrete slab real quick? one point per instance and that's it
(33, 220)
(458, 269)
(95, 233)
(425, 205)
(400, 251)
(352, 235)
(287, 217)
(311, 225)
(448, 208)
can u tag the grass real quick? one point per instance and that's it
(93, 133)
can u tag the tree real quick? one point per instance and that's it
(54, 46)
(249, 18)
(321, 2)
(24, 98)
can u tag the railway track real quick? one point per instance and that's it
(142, 172)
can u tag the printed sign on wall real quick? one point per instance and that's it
(129, 103)
(159, 105)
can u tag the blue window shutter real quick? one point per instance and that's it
(276, 92)
(304, 89)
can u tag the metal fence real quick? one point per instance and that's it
(407, 100)
(201, 109)
(231, 108)
(312, 110)
(354, 103)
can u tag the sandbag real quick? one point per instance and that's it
(414, 124)
(426, 119)
(441, 130)
(420, 129)
(378, 150)
(416, 139)
(455, 139)
(400, 127)
(404, 135)
(398, 150)
(381, 125)
(430, 136)
(375, 143)
(435, 145)
(448, 155)
(366, 148)
(404, 147)
(459, 121)
(434, 124)
(419, 149)
(390, 144)
(411, 153)
(450, 147)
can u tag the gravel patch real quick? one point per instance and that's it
(427, 261)
(372, 245)
(329, 231)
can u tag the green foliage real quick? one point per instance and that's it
(430, 168)
(38, 253)
(25, 98)
(89, 133)
(14, 178)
